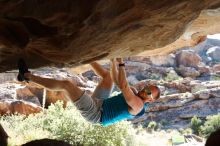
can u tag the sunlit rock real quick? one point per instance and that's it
(188, 58)
(214, 53)
(77, 32)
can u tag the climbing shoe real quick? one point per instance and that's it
(22, 67)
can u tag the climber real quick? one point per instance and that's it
(99, 108)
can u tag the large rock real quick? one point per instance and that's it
(214, 53)
(188, 71)
(4, 77)
(26, 100)
(20, 107)
(76, 32)
(203, 94)
(204, 69)
(188, 58)
(163, 60)
(54, 96)
(30, 94)
(216, 68)
(8, 90)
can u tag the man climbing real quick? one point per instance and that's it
(99, 108)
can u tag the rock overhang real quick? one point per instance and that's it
(75, 32)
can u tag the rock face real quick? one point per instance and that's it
(188, 58)
(214, 53)
(21, 107)
(177, 109)
(27, 98)
(188, 72)
(216, 68)
(77, 32)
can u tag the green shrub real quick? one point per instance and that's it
(22, 129)
(155, 76)
(172, 76)
(152, 125)
(212, 124)
(68, 125)
(215, 77)
(196, 124)
(186, 131)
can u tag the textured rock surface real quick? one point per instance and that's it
(188, 58)
(27, 98)
(216, 68)
(206, 23)
(80, 31)
(214, 53)
(188, 71)
(16, 106)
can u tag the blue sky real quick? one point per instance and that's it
(215, 36)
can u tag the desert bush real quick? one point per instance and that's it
(152, 125)
(211, 124)
(215, 77)
(185, 131)
(196, 124)
(22, 129)
(155, 76)
(172, 76)
(67, 125)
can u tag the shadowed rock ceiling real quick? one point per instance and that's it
(75, 32)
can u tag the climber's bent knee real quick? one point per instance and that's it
(90, 109)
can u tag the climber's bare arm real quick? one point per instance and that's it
(114, 72)
(134, 102)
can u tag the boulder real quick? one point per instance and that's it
(61, 74)
(20, 107)
(203, 69)
(30, 94)
(163, 60)
(182, 88)
(214, 53)
(35, 94)
(4, 77)
(54, 96)
(215, 92)
(188, 71)
(133, 67)
(76, 32)
(188, 58)
(8, 90)
(203, 94)
(216, 68)
(132, 80)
